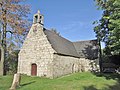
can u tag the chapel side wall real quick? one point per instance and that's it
(85, 64)
(36, 49)
(63, 65)
(89, 65)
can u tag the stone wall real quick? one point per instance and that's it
(64, 65)
(36, 49)
(1, 68)
(89, 65)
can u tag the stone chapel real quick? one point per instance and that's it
(46, 53)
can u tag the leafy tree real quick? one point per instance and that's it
(13, 20)
(108, 27)
(12, 62)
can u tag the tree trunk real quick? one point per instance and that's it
(3, 51)
(2, 60)
(4, 40)
(4, 47)
(100, 57)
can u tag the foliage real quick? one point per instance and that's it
(12, 62)
(108, 27)
(14, 24)
(14, 16)
(77, 81)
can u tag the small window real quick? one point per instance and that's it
(40, 17)
(36, 19)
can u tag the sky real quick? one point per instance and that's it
(71, 18)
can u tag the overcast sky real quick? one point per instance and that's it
(72, 18)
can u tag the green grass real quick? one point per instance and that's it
(77, 81)
(5, 82)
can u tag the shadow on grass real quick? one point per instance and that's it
(27, 83)
(114, 87)
(90, 88)
(108, 76)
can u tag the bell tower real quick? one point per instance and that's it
(38, 18)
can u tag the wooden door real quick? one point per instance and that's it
(34, 69)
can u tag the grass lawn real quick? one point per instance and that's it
(77, 81)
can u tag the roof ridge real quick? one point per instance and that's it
(85, 40)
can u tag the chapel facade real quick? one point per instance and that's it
(46, 53)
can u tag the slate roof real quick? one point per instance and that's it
(87, 49)
(60, 44)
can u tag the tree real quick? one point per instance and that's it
(13, 21)
(108, 27)
(12, 62)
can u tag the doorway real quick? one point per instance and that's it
(33, 69)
